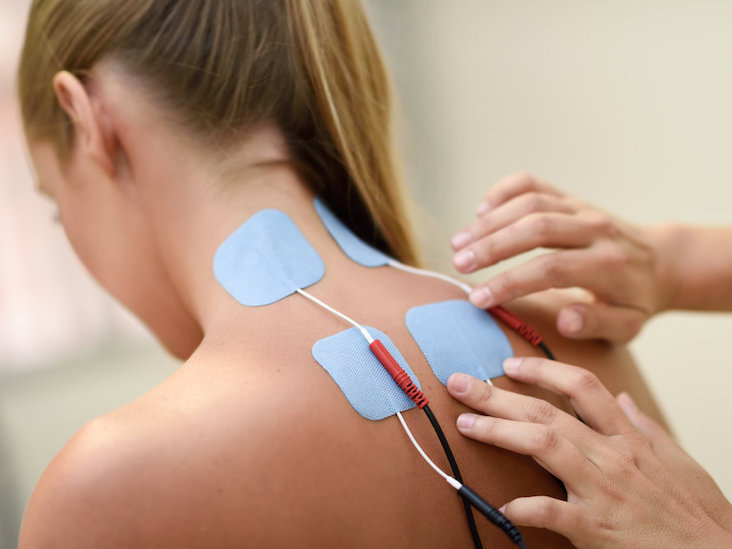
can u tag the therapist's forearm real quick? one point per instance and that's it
(694, 266)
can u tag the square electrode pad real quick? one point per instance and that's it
(266, 259)
(455, 336)
(351, 245)
(366, 384)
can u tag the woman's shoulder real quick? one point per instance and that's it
(118, 481)
(82, 483)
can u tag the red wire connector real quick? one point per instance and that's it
(398, 374)
(516, 324)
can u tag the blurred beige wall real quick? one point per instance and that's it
(624, 104)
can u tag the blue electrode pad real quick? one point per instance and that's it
(266, 259)
(455, 336)
(350, 244)
(367, 385)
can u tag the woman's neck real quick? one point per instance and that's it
(196, 212)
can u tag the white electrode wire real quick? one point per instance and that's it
(451, 481)
(432, 274)
(327, 307)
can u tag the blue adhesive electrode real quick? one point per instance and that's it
(364, 381)
(455, 336)
(349, 243)
(266, 259)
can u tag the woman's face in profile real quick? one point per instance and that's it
(75, 208)
(113, 239)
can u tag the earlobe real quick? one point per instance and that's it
(90, 130)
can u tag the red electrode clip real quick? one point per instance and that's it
(398, 374)
(516, 324)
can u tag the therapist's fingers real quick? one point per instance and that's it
(592, 401)
(545, 512)
(508, 213)
(560, 269)
(615, 262)
(536, 230)
(601, 321)
(546, 445)
(511, 186)
(509, 405)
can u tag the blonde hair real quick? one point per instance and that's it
(310, 66)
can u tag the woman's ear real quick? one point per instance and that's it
(93, 133)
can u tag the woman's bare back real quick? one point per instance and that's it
(251, 443)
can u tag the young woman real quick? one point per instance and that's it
(159, 127)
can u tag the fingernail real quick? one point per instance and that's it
(571, 322)
(461, 239)
(458, 383)
(483, 207)
(502, 509)
(511, 365)
(465, 421)
(464, 259)
(481, 297)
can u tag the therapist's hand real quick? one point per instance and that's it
(616, 262)
(628, 483)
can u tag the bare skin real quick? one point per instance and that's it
(251, 443)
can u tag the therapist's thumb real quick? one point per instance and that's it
(600, 321)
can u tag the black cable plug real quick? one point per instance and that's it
(493, 515)
(456, 473)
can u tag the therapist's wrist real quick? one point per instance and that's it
(667, 242)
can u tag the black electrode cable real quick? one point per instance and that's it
(532, 336)
(456, 473)
(493, 515)
(486, 509)
(546, 350)
(413, 392)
